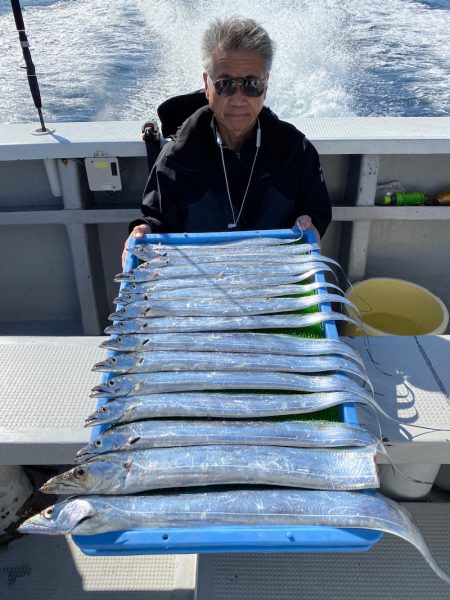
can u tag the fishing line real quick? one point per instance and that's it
(383, 450)
(361, 323)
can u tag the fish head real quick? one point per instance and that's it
(122, 327)
(120, 313)
(114, 343)
(126, 276)
(127, 298)
(158, 260)
(61, 518)
(122, 363)
(125, 343)
(131, 311)
(139, 250)
(94, 477)
(114, 387)
(109, 441)
(104, 365)
(107, 413)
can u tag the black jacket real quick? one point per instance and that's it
(186, 190)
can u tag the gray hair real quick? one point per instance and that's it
(236, 34)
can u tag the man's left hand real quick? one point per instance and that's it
(304, 222)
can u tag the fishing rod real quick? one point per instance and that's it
(31, 71)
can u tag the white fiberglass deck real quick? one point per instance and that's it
(44, 398)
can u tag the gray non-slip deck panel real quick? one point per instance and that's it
(393, 569)
(43, 567)
(45, 385)
(411, 378)
(52, 568)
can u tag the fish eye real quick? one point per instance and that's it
(111, 383)
(80, 472)
(98, 443)
(121, 324)
(118, 339)
(48, 512)
(113, 359)
(102, 409)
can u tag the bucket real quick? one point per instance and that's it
(15, 489)
(395, 307)
(393, 485)
(443, 477)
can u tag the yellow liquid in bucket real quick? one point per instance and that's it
(395, 307)
(393, 324)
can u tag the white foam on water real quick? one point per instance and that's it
(312, 56)
(119, 60)
(404, 55)
(88, 58)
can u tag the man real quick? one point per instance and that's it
(233, 165)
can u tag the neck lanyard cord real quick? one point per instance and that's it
(235, 220)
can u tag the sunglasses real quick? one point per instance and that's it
(250, 87)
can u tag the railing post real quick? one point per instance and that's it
(361, 191)
(85, 249)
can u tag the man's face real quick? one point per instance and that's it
(235, 114)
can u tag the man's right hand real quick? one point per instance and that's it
(138, 232)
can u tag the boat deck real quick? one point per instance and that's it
(56, 401)
(52, 567)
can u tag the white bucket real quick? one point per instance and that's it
(443, 477)
(15, 489)
(397, 487)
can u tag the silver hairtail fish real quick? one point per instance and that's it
(218, 405)
(149, 362)
(165, 434)
(237, 258)
(232, 245)
(224, 307)
(276, 343)
(145, 272)
(183, 381)
(227, 282)
(220, 256)
(150, 251)
(224, 293)
(281, 507)
(143, 470)
(174, 324)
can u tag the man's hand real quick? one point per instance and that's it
(138, 232)
(304, 222)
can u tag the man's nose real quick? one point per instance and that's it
(238, 97)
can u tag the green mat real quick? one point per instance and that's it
(313, 332)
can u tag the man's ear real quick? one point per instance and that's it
(205, 81)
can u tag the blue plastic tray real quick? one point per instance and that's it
(236, 538)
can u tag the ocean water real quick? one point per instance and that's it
(118, 60)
